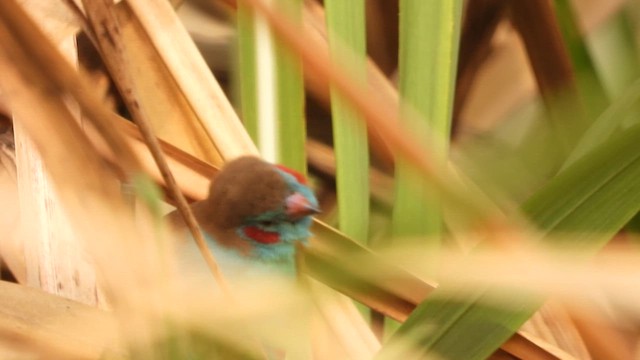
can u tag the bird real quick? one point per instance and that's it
(255, 214)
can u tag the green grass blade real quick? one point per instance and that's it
(290, 108)
(615, 52)
(272, 89)
(598, 195)
(616, 55)
(591, 89)
(346, 29)
(247, 70)
(626, 105)
(429, 32)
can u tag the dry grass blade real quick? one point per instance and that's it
(104, 22)
(55, 18)
(20, 99)
(53, 327)
(194, 78)
(526, 347)
(87, 190)
(603, 341)
(193, 175)
(552, 324)
(65, 80)
(332, 307)
(53, 259)
(158, 94)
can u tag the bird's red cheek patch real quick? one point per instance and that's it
(261, 236)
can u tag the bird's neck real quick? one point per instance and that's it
(277, 260)
(282, 252)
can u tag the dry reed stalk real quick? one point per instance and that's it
(126, 254)
(170, 113)
(113, 48)
(193, 77)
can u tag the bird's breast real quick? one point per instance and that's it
(234, 265)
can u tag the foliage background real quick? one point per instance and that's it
(488, 147)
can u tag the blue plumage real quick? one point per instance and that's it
(278, 222)
(254, 216)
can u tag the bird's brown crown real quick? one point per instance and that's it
(247, 187)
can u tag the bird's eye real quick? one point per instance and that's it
(266, 223)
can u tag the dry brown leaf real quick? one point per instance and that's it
(190, 72)
(53, 327)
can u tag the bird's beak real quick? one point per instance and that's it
(298, 206)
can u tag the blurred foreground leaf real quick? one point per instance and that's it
(595, 196)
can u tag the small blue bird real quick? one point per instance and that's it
(254, 215)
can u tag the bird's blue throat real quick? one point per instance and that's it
(288, 234)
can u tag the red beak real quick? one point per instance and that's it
(298, 206)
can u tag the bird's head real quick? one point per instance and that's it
(269, 206)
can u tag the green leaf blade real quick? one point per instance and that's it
(429, 33)
(597, 195)
(347, 40)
